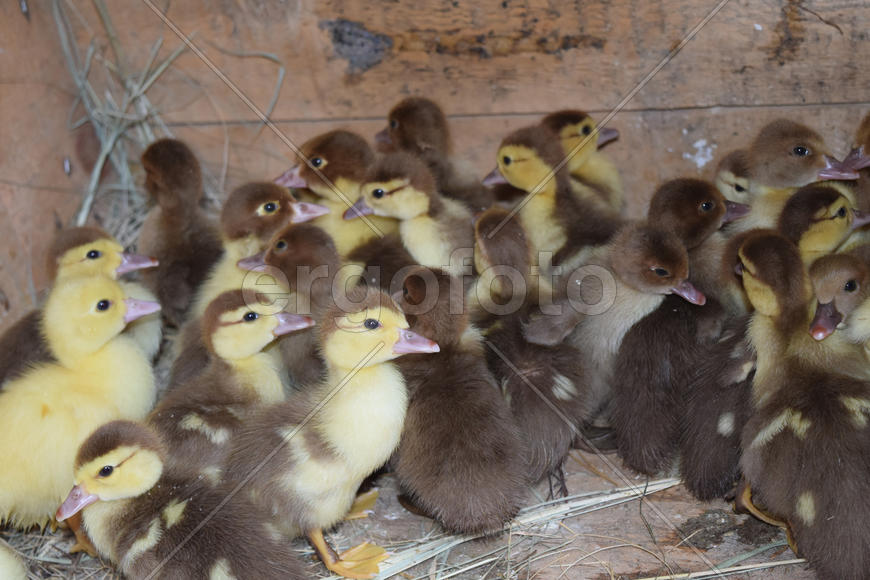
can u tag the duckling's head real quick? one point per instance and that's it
(416, 125)
(787, 154)
(236, 326)
(84, 313)
(90, 251)
(774, 276)
(119, 460)
(527, 157)
(653, 261)
(172, 174)
(399, 186)
(260, 209)
(366, 327)
(819, 218)
(693, 209)
(841, 283)
(732, 176)
(334, 160)
(499, 243)
(575, 130)
(433, 303)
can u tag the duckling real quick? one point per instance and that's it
(461, 458)
(199, 417)
(11, 565)
(83, 251)
(417, 125)
(594, 177)
(176, 231)
(50, 409)
(435, 230)
(336, 166)
(553, 218)
(383, 260)
(322, 444)
(152, 523)
(544, 385)
(732, 176)
(841, 285)
(861, 147)
(805, 448)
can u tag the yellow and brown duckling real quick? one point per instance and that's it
(732, 176)
(841, 284)
(84, 251)
(152, 523)
(805, 448)
(418, 126)
(99, 374)
(200, 416)
(434, 229)
(594, 177)
(332, 167)
(461, 457)
(323, 443)
(177, 231)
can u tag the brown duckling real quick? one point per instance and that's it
(435, 230)
(332, 167)
(200, 416)
(418, 126)
(83, 251)
(805, 448)
(383, 261)
(321, 444)
(177, 231)
(861, 148)
(461, 458)
(594, 178)
(841, 284)
(152, 523)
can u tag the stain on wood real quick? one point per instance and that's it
(790, 31)
(351, 41)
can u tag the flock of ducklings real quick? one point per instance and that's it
(464, 333)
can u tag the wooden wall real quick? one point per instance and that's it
(493, 66)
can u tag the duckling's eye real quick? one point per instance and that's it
(506, 160)
(587, 129)
(707, 206)
(317, 162)
(738, 187)
(281, 245)
(250, 316)
(405, 291)
(106, 471)
(371, 323)
(394, 124)
(661, 272)
(841, 212)
(801, 151)
(270, 207)
(93, 254)
(378, 193)
(103, 305)
(850, 286)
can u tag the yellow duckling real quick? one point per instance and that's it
(100, 375)
(303, 460)
(11, 566)
(151, 523)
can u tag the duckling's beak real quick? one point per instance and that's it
(252, 263)
(410, 342)
(76, 501)
(859, 219)
(382, 137)
(360, 208)
(133, 262)
(825, 321)
(136, 309)
(495, 177)
(734, 210)
(837, 170)
(690, 293)
(288, 323)
(304, 211)
(292, 178)
(606, 135)
(856, 160)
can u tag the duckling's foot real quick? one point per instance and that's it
(363, 505)
(358, 562)
(83, 542)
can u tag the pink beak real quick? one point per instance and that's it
(133, 262)
(136, 309)
(76, 501)
(304, 211)
(734, 210)
(836, 170)
(288, 323)
(825, 321)
(606, 135)
(410, 342)
(360, 208)
(690, 293)
(495, 177)
(859, 219)
(292, 178)
(382, 137)
(251, 263)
